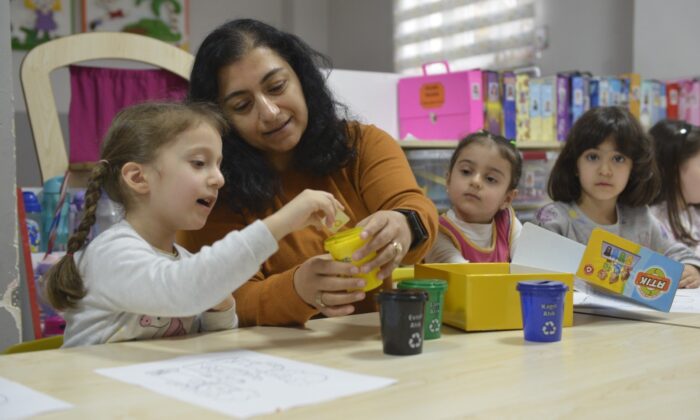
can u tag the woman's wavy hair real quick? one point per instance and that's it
(674, 143)
(136, 135)
(327, 144)
(589, 131)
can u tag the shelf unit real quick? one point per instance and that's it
(449, 144)
(432, 181)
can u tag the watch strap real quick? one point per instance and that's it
(418, 231)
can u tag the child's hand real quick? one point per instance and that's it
(311, 207)
(224, 305)
(690, 278)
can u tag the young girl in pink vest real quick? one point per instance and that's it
(481, 183)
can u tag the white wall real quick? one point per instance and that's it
(361, 34)
(308, 19)
(205, 15)
(666, 35)
(593, 35)
(370, 97)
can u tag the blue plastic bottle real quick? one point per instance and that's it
(52, 323)
(76, 210)
(51, 195)
(32, 209)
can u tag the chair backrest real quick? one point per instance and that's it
(61, 52)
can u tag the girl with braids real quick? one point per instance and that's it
(288, 134)
(161, 162)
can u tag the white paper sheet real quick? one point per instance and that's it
(17, 401)
(549, 251)
(540, 248)
(243, 383)
(685, 301)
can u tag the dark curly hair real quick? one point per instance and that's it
(589, 131)
(327, 144)
(674, 143)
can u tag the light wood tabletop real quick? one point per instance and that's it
(603, 367)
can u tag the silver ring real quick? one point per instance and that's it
(398, 248)
(319, 300)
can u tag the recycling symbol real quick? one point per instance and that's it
(415, 340)
(549, 328)
(434, 326)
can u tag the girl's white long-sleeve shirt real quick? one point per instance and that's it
(135, 291)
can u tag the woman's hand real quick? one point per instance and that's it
(310, 207)
(690, 279)
(319, 283)
(390, 237)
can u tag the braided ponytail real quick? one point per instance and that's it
(136, 134)
(64, 286)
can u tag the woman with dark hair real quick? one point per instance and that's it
(287, 135)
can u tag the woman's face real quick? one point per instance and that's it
(263, 99)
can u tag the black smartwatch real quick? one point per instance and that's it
(418, 232)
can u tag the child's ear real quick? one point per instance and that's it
(134, 176)
(510, 196)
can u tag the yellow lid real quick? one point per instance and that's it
(342, 237)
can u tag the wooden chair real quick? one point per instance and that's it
(45, 58)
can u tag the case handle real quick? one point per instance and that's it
(424, 66)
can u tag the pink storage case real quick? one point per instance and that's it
(442, 106)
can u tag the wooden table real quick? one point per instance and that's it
(602, 367)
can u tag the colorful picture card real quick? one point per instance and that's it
(628, 269)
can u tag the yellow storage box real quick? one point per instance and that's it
(402, 273)
(483, 296)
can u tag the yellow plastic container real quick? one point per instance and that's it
(483, 296)
(402, 273)
(341, 247)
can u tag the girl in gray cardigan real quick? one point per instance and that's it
(605, 177)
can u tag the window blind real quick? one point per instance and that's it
(493, 34)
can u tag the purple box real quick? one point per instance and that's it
(563, 110)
